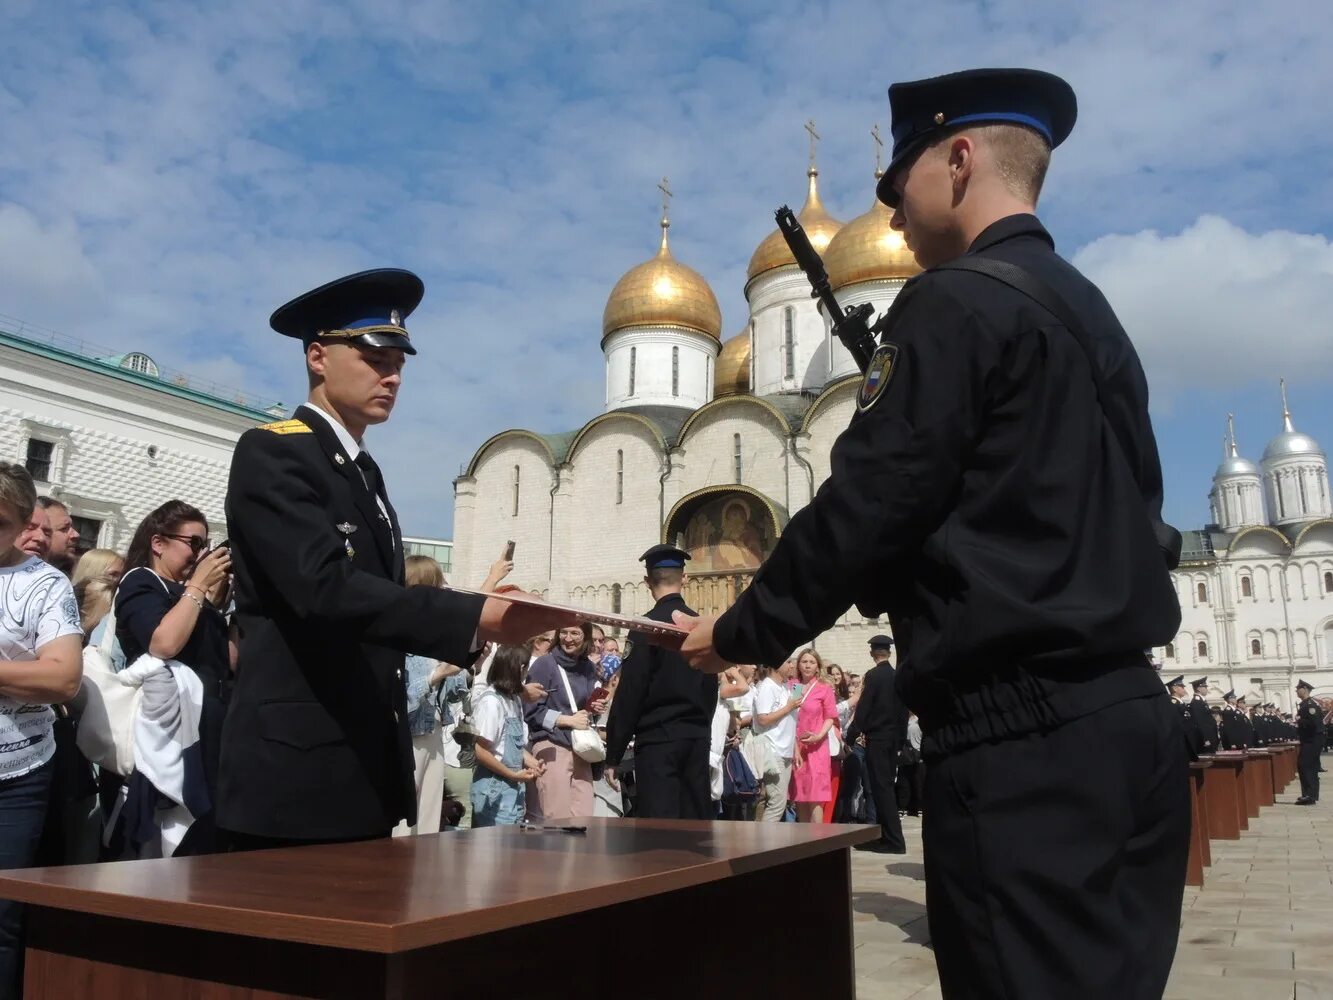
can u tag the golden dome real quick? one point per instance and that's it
(731, 375)
(663, 292)
(868, 248)
(817, 223)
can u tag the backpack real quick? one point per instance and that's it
(738, 780)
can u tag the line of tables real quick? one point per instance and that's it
(1227, 790)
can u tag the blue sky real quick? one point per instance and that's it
(172, 172)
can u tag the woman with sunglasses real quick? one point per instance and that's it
(168, 605)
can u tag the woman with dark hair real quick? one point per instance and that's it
(168, 606)
(564, 786)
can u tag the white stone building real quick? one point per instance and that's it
(709, 445)
(1256, 585)
(114, 437)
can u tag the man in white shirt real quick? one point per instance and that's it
(775, 735)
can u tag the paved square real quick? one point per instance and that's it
(1261, 928)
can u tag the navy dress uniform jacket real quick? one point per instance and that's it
(980, 497)
(659, 698)
(316, 742)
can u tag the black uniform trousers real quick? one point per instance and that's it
(1307, 767)
(1055, 862)
(671, 780)
(882, 763)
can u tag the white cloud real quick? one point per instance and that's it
(1217, 306)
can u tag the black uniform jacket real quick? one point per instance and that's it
(659, 697)
(984, 502)
(1235, 732)
(880, 714)
(1202, 717)
(1310, 721)
(316, 743)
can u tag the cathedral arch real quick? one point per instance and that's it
(581, 436)
(1270, 646)
(1256, 645)
(1315, 533)
(768, 408)
(512, 435)
(1260, 538)
(1300, 642)
(832, 391)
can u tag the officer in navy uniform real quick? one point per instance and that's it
(1310, 726)
(665, 708)
(1234, 735)
(881, 717)
(1006, 514)
(1202, 717)
(1192, 743)
(316, 745)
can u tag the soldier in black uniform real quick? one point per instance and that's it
(882, 718)
(1245, 723)
(665, 707)
(1234, 733)
(1202, 718)
(1192, 742)
(316, 745)
(1310, 726)
(998, 493)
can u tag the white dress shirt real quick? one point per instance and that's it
(353, 448)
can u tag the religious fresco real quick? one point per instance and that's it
(729, 534)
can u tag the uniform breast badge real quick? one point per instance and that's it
(337, 457)
(351, 552)
(347, 527)
(877, 376)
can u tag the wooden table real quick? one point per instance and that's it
(1261, 780)
(456, 914)
(1234, 760)
(1200, 856)
(1219, 786)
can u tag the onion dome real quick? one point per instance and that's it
(1232, 463)
(1291, 443)
(868, 248)
(731, 375)
(663, 292)
(815, 220)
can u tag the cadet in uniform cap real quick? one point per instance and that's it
(316, 745)
(998, 494)
(665, 708)
(881, 717)
(1177, 688)
(880, 642)
(1202, 717)
(1310, 728)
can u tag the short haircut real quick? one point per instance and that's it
(422, 571)
(17, 490)
(1021, 155)
(46, 503)
(665, 576)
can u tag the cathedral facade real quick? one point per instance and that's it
(1256, 584)
(705, 443)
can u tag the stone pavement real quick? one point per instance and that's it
(1261, 928)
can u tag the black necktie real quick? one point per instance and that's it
(370, 472)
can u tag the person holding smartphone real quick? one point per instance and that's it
(166, 607)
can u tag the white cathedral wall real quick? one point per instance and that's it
(651, 347)
(706, 457)
(1297, 490)
(835, 413)
(770, 295)
(599, 533)
(103, 428)
(880, 293)
(493, 521)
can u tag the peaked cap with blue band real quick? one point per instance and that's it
(366, 308)
(924, 109)
(664, 557)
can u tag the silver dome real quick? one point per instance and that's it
(1235, 466)
(1292, 444)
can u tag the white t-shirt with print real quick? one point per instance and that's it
(489, 713)
(37, 606)
(769, 697)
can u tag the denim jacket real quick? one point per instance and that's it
(422, 703)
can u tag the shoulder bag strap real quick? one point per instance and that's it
(1021, 280)
(569, 691)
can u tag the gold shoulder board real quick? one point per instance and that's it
(286, 427)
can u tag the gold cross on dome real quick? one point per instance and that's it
(814, 138)
(667, 195)
(879, 146)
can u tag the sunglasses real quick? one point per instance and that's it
(197, 543)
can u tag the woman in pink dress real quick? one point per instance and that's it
(812, 777)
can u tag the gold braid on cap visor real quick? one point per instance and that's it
(360, 331)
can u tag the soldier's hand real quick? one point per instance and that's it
(509, 623)
(698, 645)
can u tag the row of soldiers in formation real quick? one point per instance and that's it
(1232, 726)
